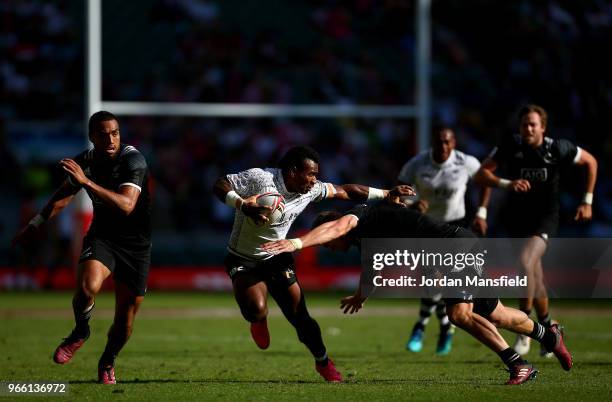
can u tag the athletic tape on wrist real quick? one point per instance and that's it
(482, 213)
(37, 221)
(504, 183)
(297, 243)
(588, 199)
(375, 194)
(232, 198)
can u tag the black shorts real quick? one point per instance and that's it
(278, 271)
(532, 223)
(482, 306)
(129, 265)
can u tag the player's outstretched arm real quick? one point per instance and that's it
(486, 177)
(585, 212)
(320, 235)
(359, 192)
(58, 201)
(226, 194)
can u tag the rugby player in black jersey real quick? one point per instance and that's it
(478, 316)
(533, 164)
(115, 176)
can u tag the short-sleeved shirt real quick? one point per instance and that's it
(540, 166)
(128, 168)
(443, 185)
(246, 237)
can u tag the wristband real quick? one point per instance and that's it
(482, 213)
(375, 194)
(37, 221)
(588, 199)
(297, 243)
(232, 198)
(504, 183)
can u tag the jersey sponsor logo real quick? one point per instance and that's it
(235, 270)
(534, 174)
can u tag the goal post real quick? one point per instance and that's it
(421, 111)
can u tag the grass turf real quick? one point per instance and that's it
(194, 346)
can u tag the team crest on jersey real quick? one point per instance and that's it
(534, 174)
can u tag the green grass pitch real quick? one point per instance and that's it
(194, 346)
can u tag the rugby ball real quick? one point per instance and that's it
(275, 201)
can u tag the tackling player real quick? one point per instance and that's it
(479, 317)
(115, 176)
(440, 177)
(256, 272)
(533, 163)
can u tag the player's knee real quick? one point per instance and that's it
(255, 311)
(89, 288)
(459, 316)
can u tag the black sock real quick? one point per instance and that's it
(82, 320)
(543, 335)
(444, 328)
(418, 326)
(322, 361)
(510, 357)
(545, 320)
(107, 359)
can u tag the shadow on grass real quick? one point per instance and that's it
(348, 382)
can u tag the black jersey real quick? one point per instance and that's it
(129, 168)
(540, 166)
(385, 220)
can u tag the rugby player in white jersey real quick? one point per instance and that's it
(440, 176)
(255, 272)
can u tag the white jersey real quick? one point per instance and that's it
(442, 185)
(246, 237)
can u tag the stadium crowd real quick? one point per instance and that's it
(319, 51)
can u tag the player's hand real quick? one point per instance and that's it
(258, 213)
(352, 304)
(74, 171)
(480, 226)
(25, 236)
(278, 246)
(403, 190)
(520, 186)
(584, 213)
(421, 205)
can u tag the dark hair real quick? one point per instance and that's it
(525, 110)
(296, 155)
(324, 217)
(99, 117)
(438, 128)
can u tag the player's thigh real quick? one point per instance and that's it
(91, 274)
(290, 299)
(250, 291)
